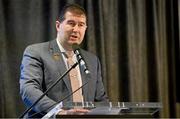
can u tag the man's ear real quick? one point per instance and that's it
(57, 25)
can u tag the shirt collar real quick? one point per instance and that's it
(61, 48)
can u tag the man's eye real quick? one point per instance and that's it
(81, 25)
(71, 23)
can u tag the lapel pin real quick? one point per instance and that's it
(56, 56)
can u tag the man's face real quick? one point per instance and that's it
(71, 30)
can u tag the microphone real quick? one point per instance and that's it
(80, 58)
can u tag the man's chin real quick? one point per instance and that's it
(74, 42)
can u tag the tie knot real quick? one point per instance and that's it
(69, 54)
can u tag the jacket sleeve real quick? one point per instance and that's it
(31, 79)
(100, 91)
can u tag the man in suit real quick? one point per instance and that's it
(44, 63)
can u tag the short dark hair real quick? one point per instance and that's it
(74, 8)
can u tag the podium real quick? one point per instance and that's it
(114, 110)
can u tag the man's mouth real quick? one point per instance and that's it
(73, 36)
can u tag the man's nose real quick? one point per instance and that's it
(76, 28)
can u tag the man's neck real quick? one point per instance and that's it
(65, 46)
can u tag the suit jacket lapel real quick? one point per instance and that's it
(60, 62)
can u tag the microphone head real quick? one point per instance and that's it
(76, 48)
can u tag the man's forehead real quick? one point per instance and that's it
(71, 14)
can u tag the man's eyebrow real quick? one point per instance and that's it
(70, 21)
(81, 22)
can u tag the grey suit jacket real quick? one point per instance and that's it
(42, 65)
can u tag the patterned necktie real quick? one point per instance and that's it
(73, 75)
